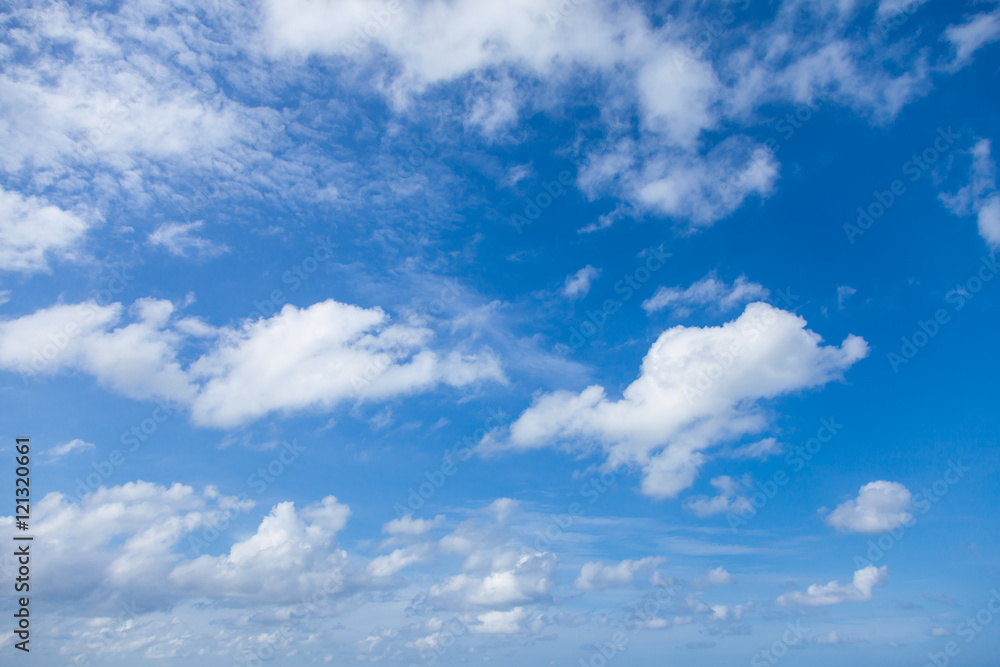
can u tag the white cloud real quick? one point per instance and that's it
(292, 554)
(980, 195)
(596, 575)
(844, 292)
(298, 359)
(733, 497)
(762, 449)
(75, 445)
(860, 590)
(407, 525)
(710, 292)
(972, 35)
(500, 622)
(578, 285)
(698, 387)
(177, 238)
(32, 231)
(715, 577)
(880, 506)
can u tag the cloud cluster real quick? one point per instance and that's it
(298, 359)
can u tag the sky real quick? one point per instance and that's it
(444, 332)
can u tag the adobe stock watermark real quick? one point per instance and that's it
(796, 458)
(377, 365)
(258, 482)
(257, 656)
(927, 329)
(927, 498)
(778, 649)
(114, 278)
(889, 23)
(131, 439)
(916, 166)
(968, 630)
(295, 276)
(637, 615)
(590, 329)
(433, 480)
(379, 21)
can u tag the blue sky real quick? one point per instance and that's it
(454, 333)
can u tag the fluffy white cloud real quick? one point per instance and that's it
(880, 506)
(500, 622)
(308, 358)
(597, 575)
(32, 231)
(698, 387)
(578, 285)
(979, 196)
(709, 291)
(859, 590)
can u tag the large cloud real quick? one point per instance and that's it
(698, 386)
(298, 359)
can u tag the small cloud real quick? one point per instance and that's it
(714, 577)
(407, 525)
(75, 445)
(732, 497)
(880, 506)
(179, 240)
(761, 450)
(596, 575)
(578, 285)
(707, 292)
(940, 632)
(844, 292)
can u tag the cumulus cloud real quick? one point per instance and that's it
(859, 590)
(979, 197)
(597, 575)
(33, 231)
(297, 359)
(577, 285)
(698, 387)
(710, 292)
(880, 506)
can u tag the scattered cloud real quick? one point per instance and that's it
(980, 196)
